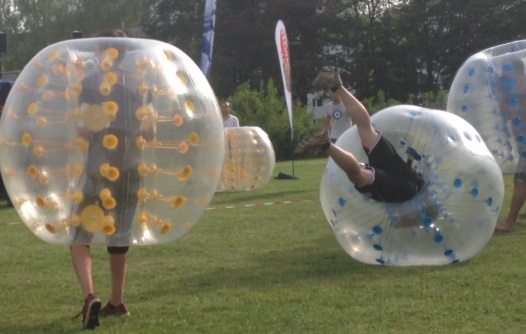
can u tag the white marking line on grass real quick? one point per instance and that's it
(240, 206)
(252, 205)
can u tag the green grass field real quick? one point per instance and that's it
(265, 269)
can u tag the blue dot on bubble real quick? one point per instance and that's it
(427, 221)
(341, 201)
(378, 247)
(457, 183)
(464, 108)
(516, 121)
(438, 238)
(377, 229)
(474, 192)
(507, 67)
(466, 89)
(448, 252)
(471, 72)
(381, 261)
(489, 201)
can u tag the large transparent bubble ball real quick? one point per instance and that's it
(489, 91)
(450, 220)
(249, 159)
(111, 141)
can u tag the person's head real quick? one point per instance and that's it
(111, 33)
(225, 108)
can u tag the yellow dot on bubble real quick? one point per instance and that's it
(111, 53)
(33, 171)
(185, 173)
(81, 144)
(95, 118)
(109, 229)
(113, 174)
(43, 178)
(77, 88)
(111, 78)
(189, 107)
(178, 120)
(193, 139)
(58, 69)
(92, 218)
(27, 139)
(183, 147)
(110, 108)
(52, 55)
(104, 168)
(50, 228)
(183, 78)
(78, 170)
(143, 169)
(48, 95)
(38, 150)
(140, 142)
(110, 142)
(143, 89)
(42, 80)
(42, 122)
(104, 193)
(168, 54)
(78, 196)
(178, 202)
(105, 89)
(32, 108)
(106, 64)
(109, 203)
(40, 202)
(166, 227)
(143, 195)
(75, 220)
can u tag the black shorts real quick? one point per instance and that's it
(394, 179)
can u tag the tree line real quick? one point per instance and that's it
(386, 50)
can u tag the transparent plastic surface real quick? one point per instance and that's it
(450, 220)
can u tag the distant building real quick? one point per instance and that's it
(317, 106)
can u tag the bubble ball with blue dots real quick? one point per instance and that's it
(489, 91)
(453, 216)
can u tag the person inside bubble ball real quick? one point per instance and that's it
(229, 120)
(112, 142)
(386, 177)
(511, 92)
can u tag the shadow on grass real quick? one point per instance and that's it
(323, 263)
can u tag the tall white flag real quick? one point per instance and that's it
(284, 60)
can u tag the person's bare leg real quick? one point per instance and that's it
(517, 201)
(360, 117)
(118, 278)
(350, 165)
(82, 263)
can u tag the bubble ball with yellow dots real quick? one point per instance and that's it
(249, 159)
(111, 141)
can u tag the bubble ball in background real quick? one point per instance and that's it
(489, 91)
(453, 216)
(249, 159)
(117, 139)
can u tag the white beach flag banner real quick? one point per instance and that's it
(284, 60)
(208, 36)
